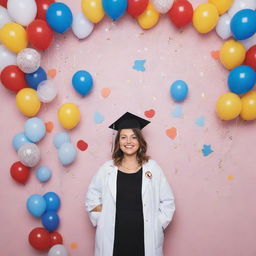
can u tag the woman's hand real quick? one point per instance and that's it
(98, 208)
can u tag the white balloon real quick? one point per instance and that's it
(58, 250)
(6, 58)
(81, 26)
(22, 11)
(162, 6)
(248, 43)
(46, 91)
(28, 60)
(4, 16)
(29, 154)
(223, 27)
(241, 4)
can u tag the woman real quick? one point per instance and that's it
(129, 200)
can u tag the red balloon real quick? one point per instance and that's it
(250, 58)
(42, 6)
(56, 238)
(20, 172)
(40, 35)
(181, 13)
(13, 78)
(136, 7)
(3, 3)
(39, 239)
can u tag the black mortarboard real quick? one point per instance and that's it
(129, 121)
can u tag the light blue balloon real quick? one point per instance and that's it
(43, 173)
(35, 129)
(19, 139)
(179, 90)
(114, 8)
(60, 138)
(52, 201)
(36, 205)
(67, 153)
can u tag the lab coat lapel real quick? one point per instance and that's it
(145, 180)
(112, 181)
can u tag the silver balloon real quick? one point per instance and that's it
(29, 154)
(46, 91)
(162, 6)
(58, 250)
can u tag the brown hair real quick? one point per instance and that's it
(118, 154)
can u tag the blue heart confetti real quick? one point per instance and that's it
(98, 118)
(200, 121)
(207, 150)
(177, 112)
(139, 65)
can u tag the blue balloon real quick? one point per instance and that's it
(36, 205)
(60, 138)
(82, 82)
(52, 201)
(43, 173)
(241, 79)
(50, 220)
(67, 153)
(59, 17)
(35, 129)
(179, 90)
(35, 78)
(114, 8)
(243, 24)
(18, 140)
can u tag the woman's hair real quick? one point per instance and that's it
(118, 154)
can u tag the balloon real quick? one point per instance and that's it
(241, 4)
(4, 16)
(58, 250)
(56, 238)
(228, 106)
(18, 140)
(13, 78)
(223, 26)
(179, 90)
(28, 60)
(39, 239)
(28, 102)
(82, 82)
(136, 7)
(115, 9)
(43, 173)
(14, 37)
(59, 17)
(19, 172)
(69, 115)
(249, 42)
(42, 7)
(50, 220)
(222, 5)
(232, 54)
(81, 26)
(52, 201)
(3, 3)
(162, 6)
(181, 13)
(35, 78)
(205, 17)
(60, 138)
(67, 153)
(248, 106)
(243, 24)
(36, 205)
(250, 58)
(29, 154)
(46, 91)
(22, 11)
(93, 10)
(149, 17)
(34, 129)
(6, 58)
(40, 34)
(241, 79)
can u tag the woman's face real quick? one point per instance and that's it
(128, 142)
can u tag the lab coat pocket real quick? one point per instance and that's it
(159, 234)
(95, 217)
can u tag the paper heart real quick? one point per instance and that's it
(52, 72)
(149, 113)
(215, 54)
(171, 133)
(49, 126)
(105, 92)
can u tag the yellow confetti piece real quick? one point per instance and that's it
(73, 245)
(230, 177)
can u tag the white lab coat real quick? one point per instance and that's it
(158, 208)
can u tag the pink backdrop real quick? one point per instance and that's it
(214, 194)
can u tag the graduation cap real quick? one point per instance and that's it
(129, 121)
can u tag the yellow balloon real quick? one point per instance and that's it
(28, 102)
(14, 37)
(205, 17)
(149, 17)
(222, 5)
(248, 106)
(232, 54)
(228, 106)
(69, 115)
(93, 10)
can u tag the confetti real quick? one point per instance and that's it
(73, 245)
(139, 65)
(82, 145)
(98, 118)
(171, 133)
(177, 112)
(52, 72)
(49, 126)
(230, 177)
(215, 54)
(105, 92)
(149, 113)
(207, 150)
(200, 121)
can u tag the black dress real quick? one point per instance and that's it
(129, 226)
